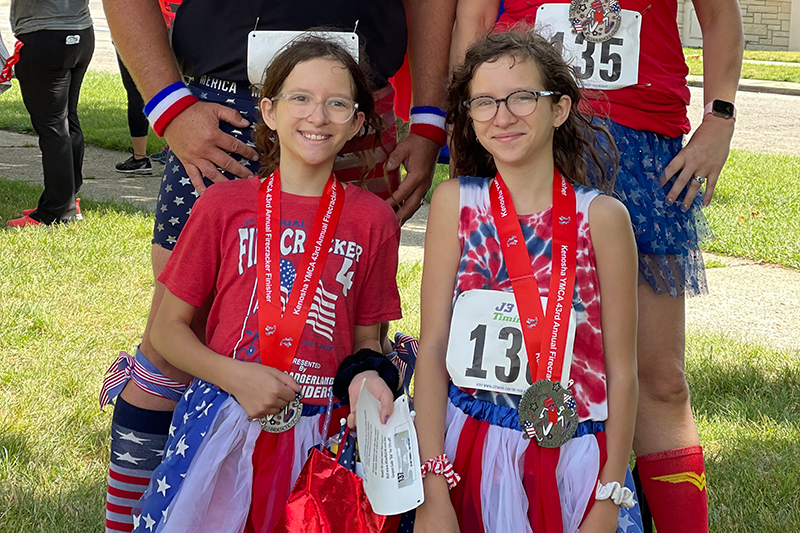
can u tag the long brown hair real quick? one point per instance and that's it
(305, 48)
(577, 140)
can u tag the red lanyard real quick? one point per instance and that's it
(543, 333)
(279, 335)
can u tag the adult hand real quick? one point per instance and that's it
(261, 390)
(704, 156)
(195, 137)
(377, 387)
(418, 155)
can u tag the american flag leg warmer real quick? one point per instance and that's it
(137, 444)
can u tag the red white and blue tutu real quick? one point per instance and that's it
(207, 480)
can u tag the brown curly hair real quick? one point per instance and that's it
(575, 142)
(305, 48)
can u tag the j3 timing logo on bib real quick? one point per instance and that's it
(486, 349)
(597, 38)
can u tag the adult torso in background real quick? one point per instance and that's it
(28, 16)
(210, 37)
(658, 103)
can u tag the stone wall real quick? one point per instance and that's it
(766, 24)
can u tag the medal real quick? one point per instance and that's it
(279, 333)
(597, 20)
(285, 419)
(547, 412)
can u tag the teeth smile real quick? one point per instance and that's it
(314, 136)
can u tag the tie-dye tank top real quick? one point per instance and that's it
(482, 267)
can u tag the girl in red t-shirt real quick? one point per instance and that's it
(301, 270)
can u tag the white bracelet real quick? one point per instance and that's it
(622, 496)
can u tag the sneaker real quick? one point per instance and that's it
(23, 221)
(160, 157)
(78, 215)
(135, 166)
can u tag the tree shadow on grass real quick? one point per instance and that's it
(752, 483)
(755, 386)
(18, 195)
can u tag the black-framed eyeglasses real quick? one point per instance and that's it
(519, 103)
(337, 110)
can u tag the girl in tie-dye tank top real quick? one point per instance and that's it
(514, 106)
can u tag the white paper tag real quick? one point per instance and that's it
(263, 46)
(389, 456)
(486, 349)
(613, 64)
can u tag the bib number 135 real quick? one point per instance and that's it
(608, 65)
(486, 349)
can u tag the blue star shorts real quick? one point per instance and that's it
(177, 194)
(667, 237)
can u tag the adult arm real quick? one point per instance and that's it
(429, 27)
(260, 389)
(615, 253)
(431, 381)
(140, 36)
(474, 19)
(706, 152)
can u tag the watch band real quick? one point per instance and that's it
(720, 108)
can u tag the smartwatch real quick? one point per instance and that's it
(720, 108)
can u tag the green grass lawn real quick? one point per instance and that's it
(758, 55)
(74, 296)
(752, 71)
(102, 110)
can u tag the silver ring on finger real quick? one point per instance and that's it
(699, 179)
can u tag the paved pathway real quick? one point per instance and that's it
(747, 300)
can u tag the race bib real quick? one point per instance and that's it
(486, 348)
(263, 46)
(612, 64)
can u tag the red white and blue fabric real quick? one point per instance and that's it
(483, 433)
(441, 466)
(168, 104)
(429, 122)
(127, 367)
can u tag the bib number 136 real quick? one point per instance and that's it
(608, 65)
(486, 349)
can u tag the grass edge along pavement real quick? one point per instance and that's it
(75, 295)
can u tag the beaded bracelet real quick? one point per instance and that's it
(168, 104)
(428, 122)
(441, 466)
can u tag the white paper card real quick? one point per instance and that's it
(389, 455)
(613, 64)
(486, 349)
(263, 46)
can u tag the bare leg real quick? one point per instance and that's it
(664, 420)
(139, 148)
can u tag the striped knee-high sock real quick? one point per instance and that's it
(137, 444)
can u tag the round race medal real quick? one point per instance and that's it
(286, 419)
(547, 411)
(597, 20)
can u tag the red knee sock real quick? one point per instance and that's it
(674, 484)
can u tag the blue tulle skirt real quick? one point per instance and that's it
(668, 238)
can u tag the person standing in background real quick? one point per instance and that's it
(58, 45)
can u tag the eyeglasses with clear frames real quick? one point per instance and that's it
(519, 103)
(301, 105)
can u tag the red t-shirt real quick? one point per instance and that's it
(217, 252)
(658, 103)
